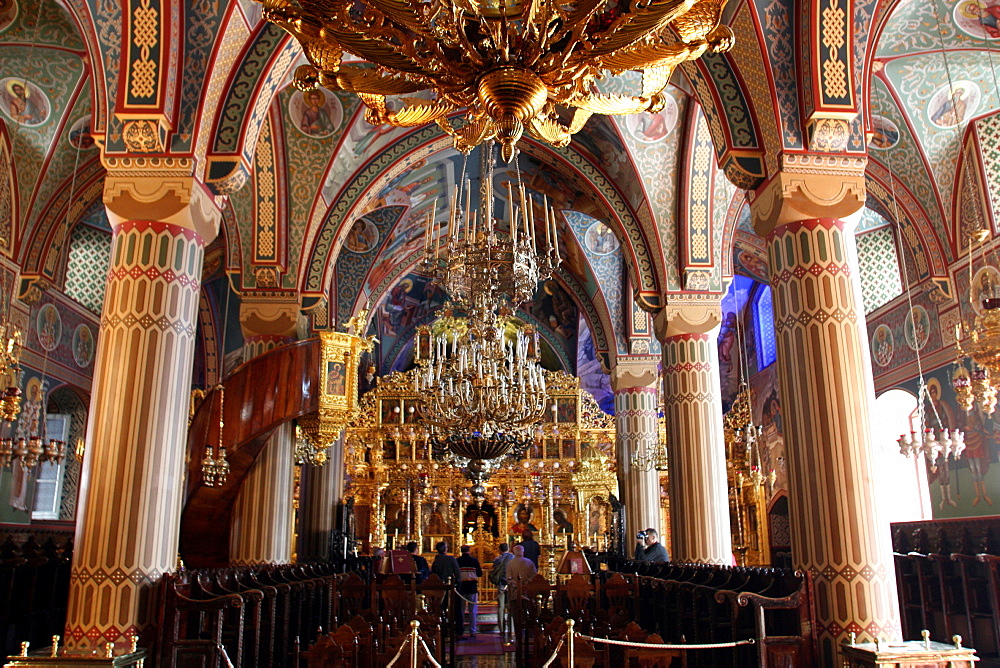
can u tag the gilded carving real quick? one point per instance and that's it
(142, 136)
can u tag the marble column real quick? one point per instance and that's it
(261, 531)
(699, 496)
(634, 383)
(132, 481)
(826, 391)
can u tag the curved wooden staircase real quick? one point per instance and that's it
(260, 395)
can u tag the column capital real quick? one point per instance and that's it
(270, 315)
(688, 314)
(809, 185)
(165, 197)
(634, 371)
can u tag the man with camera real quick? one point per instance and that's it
(649, 547)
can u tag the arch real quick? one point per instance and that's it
(44, 251)
(264, 61)
(10, 199)
(315, 271)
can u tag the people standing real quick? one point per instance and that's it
(650, 548)
(498, 576)
(532, 550)
(446, 567)
(468, 587)
(520, 570)
(420, 567)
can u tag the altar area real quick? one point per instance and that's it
(561, 486)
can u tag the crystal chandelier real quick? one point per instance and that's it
(480, 381)
(512, 66)
(481, 267)
(930, 442)
(215, 465)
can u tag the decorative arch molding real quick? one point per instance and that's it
(976, 200)
(252, 85)
(718, 90)
(102, 44)
(636, 230)
(889, 195)
(42, 256)
(598, 317)
(10, 217)
(730, 234)
(423, 142)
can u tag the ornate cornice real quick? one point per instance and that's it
(275, 316)
(634, 371)
(688, 314)
(175, 200)
(809, 185)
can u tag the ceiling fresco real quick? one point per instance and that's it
(351, 200)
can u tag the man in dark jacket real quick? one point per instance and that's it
(446, 567)
(651, 549)
(420, 566)
(532, 550)
(468, 587)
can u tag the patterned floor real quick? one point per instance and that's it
(485, 650)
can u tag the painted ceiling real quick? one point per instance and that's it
(335, 208)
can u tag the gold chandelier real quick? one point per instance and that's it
(513, 66)
(482, 268)
(476, 380)
(10, 357)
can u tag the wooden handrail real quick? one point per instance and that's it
(260, 395)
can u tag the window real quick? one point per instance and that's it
(763, 312)
(48, 484)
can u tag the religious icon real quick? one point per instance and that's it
(650, 128)
(882, 345)
(79, 136)
(316, 113)
(978, 18)
(917, 328)
(951, 105)
(8, 12)
(362, 237)
(600, 240)
(885, 134)
(522, 519)
(562, 517)
(23, 102)
(83, 345)
(598, 517)
(986, 285)
(49, 327)
(336, 380)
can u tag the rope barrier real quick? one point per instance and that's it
(411, 639)
(427, 651)
(646, 645)
(399, 653)
(555, 654)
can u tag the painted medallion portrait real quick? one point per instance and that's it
(23, 102)
(600, 240)
(882, 345)
(917, 328)
(363, 236)
(979, 18)
(885, 134)
(49, 324)
(985, 285)
(317, 113)
(950, 106)
(79, 136)
(651, 128)
(8, 12)
(83, 346)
